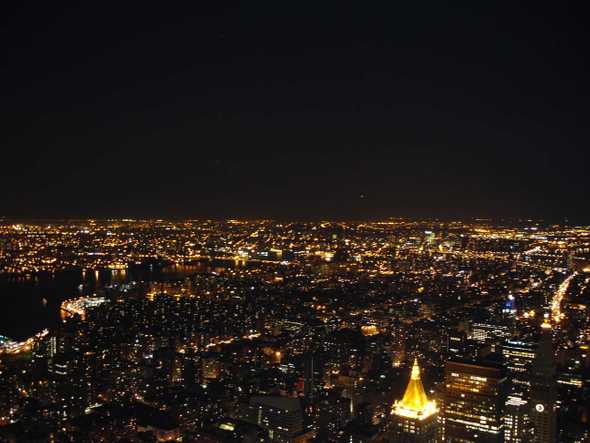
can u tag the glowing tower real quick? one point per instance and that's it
(414, 418)
(544, 390)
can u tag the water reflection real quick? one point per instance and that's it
(31, 303)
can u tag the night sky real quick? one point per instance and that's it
(295, 110)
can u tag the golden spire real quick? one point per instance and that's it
(415, 397)
(415, 370)
(415, 402)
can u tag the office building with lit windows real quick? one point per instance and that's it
(516, 420)
(518, 357)
(485, 332)
(473, 402)
(282, 417)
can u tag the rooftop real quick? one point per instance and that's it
(415, 403)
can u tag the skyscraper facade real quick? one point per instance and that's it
(516, 420)
(544, 390)
(473, 402)
(518, 356)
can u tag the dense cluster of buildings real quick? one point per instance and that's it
(395, 331)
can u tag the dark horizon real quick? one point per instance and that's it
(271, 111)
(492, 221)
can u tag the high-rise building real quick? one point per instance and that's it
(473, 402)
(332, 413)
(516, 414)
(456, 343)
(309, 376)
(518, 357)
(544, 390)
(282, 417)
(485, 332)
(414, 418)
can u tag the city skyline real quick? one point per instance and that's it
(397, 330)
(274, 222)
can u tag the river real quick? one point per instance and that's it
(30, 304)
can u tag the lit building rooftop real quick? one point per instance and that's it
(415, 403)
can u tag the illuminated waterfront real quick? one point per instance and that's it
(26, 313)
(11, 347)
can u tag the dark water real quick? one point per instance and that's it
(28, 305)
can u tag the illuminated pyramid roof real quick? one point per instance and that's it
(415, 403)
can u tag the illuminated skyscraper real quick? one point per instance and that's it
(516, 429)
(486, 332)
(518, 357)
(414, 418)
(544, 390)
(473, 402)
